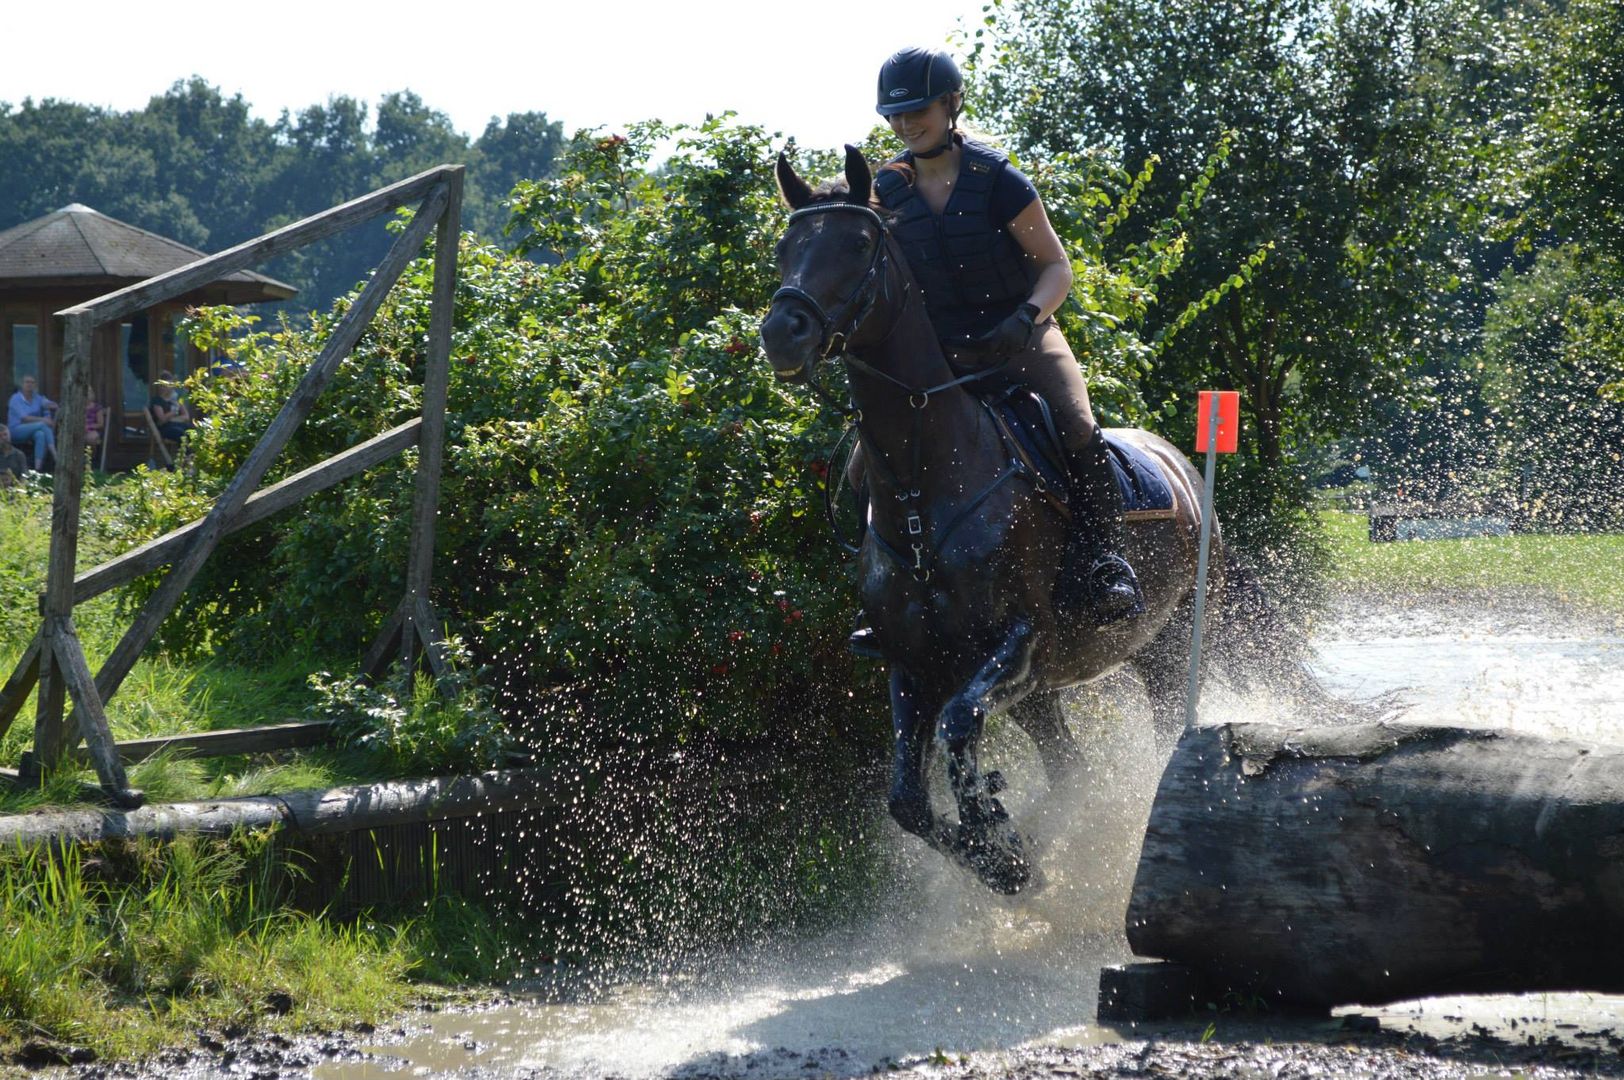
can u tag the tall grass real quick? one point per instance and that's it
(126, 948)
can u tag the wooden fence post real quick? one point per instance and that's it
(420, 620)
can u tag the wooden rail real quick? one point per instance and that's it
(55, 661)
(260, 505)
(254, 740)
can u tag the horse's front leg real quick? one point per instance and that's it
(912, 720)
(986, 841)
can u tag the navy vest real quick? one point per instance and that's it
(972, 272)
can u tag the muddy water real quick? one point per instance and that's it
(947, 967)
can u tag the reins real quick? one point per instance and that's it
(834, 339)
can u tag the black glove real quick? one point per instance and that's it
(1012, 335)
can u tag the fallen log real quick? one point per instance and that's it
(316, 811)
(1379, 862)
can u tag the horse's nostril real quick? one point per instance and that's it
(799, 324)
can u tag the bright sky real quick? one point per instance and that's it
(806, 69)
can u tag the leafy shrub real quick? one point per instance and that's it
(415, 724)
(628, 532)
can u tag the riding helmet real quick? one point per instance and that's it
(914, 77)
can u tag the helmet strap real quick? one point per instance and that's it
(947, 144)
(947, 139)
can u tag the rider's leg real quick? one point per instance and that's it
(1102, 574)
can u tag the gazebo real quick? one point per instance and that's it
(74, 255)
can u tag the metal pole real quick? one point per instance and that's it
(1201, 568)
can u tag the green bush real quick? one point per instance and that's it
(628, 524)
(629, 533)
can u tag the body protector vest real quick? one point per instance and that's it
(972, 272)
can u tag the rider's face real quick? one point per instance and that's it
(922, 129)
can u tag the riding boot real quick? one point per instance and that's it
(1094, 568)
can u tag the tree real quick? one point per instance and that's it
(1338, 162)
(197, 166)
(525, 146)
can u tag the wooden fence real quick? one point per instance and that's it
(55, 660)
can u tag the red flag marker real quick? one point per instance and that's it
(1229, 420)
(1217, 432)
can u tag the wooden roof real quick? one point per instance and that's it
(78, 247)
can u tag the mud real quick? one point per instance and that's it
(1354, 1045)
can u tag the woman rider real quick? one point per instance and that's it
(993, 272)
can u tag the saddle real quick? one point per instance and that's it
(1028, 420)
(1027, 425)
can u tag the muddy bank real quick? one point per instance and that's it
(1354, 1046)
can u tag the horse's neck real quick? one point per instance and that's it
(921, 446)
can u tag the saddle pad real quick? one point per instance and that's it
(1145, 490)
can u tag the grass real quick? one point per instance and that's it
(161, 695)
(1584, 569)
(125, 949)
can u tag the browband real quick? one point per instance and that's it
(824, 208)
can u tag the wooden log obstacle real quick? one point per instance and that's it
(55, 660)
(1375, 863)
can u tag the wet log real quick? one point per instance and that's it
(340, 809)
(1380, 862)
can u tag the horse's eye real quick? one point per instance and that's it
(864, 242)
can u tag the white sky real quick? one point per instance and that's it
(803, 67)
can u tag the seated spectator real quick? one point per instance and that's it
(95, 424)
(170, 412)
(30, 417)
(12, 462)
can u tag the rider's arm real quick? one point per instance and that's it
(1031, 230)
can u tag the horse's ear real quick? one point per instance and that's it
(796, 192)
(858, 179)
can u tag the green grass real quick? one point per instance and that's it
(161, 695)
(1586, 569)
(128, 948)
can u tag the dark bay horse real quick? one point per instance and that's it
(962, 550)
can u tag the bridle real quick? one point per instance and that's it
(835, 331)
(836, 328)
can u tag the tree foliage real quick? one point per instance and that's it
(199, 167)
(1334, 168)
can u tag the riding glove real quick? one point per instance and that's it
(1014, 334)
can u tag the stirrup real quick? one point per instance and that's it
(863, 642)
(1113, 588)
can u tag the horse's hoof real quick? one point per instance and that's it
(995, 781)
(1008, 874)
(998, 861)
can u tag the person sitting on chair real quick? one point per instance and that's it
(95, 424)
(168, 411)
(12, 462)
(30, 416)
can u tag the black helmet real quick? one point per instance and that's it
(913, 78)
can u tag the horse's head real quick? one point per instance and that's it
(832, 262)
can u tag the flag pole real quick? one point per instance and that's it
(1201, 566)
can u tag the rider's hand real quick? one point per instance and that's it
(1012, 335)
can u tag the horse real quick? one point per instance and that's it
(962, 544)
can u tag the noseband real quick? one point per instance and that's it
(834, 335)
